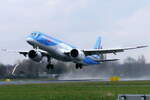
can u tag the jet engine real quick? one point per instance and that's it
(35, 55)
(77, 54)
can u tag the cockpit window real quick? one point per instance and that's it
(35, 34)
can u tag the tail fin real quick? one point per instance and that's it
(98, 43)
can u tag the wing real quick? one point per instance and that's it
(106, 51)
(25, 52)
(16, 51)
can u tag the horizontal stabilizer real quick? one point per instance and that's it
(107, 60)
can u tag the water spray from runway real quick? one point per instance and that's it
(130, 69)
(88, 72)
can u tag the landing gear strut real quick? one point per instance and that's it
(49, 65)
(79, 66)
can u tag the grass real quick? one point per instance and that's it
(73, 91)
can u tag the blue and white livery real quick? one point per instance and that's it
(47, 46)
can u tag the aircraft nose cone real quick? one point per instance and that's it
(29, 40)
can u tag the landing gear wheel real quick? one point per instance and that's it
(81, 67)
(50, 66)
(78, 66)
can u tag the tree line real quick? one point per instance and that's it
(129, 68)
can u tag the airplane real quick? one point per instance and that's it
(52, 48)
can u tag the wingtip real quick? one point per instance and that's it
(142, 46)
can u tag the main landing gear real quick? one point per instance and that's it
(51, 66)
(79, 66)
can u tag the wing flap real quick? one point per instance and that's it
(101, 51)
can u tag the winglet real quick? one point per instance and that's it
(142, 46)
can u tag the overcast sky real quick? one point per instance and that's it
(120, 23)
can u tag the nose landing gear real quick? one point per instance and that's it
(49, 65)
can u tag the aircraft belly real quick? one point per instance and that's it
(89, 61)
(54, 52)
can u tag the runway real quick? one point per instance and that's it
(21, 82)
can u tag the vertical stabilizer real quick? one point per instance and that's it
(98, 43)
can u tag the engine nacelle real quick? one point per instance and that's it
(35, 55)
(77, 54)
